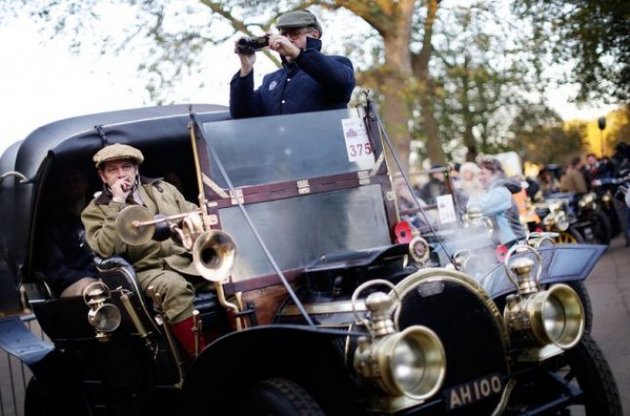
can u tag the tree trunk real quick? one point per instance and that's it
(395, 77)
(467, 113)
(435, 152)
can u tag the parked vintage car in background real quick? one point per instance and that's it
(324, 301)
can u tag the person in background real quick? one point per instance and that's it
(573, 180)
(469, 179)
(165, 265)
(68, 265)
(496, 202)
(548, 182)
(307, 81)
(590, 167)
(622, 163)
(435, 187)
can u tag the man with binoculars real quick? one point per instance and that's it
(307, 81)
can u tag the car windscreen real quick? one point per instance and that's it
(275, 155)
(274, 149)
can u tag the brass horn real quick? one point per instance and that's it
(214, 253)
(137, 226)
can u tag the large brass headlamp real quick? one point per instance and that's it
(556, 217)
(104, 317)
(410, 363)
(588, 199)
(540, 318)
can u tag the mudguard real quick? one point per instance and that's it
(231, 365)
(19, 341)
(560, 263)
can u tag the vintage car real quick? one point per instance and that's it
(324, 301)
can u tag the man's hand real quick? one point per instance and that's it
(121, 190)
(283, 46)
(247, 63)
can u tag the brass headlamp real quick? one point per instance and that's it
(410, 363)
(588, 199)
(543, 321)
(556, 217)
(104, 317)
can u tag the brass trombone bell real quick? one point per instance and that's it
(214, 253)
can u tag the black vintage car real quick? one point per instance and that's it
(324, 301)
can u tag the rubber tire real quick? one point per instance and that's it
(602, 230)
(593, 375)
(280, 397)
(39, 401)
(582, 291)
(570, 236)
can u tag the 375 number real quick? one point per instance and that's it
(360, 149)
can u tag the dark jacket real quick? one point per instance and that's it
(313, 82)
(68, 257)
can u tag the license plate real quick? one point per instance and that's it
(473, 391)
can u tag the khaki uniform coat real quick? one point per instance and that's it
(165, 265)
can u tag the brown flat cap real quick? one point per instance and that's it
(117, 151)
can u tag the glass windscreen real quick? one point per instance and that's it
(300, 229)
(297, 231)
(274, 149)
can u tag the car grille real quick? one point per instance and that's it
(468, 328)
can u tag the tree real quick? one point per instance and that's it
(594, 36)
(176, 33)
(484, 70)
(541, 137)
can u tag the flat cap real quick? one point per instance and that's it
(117, 151)
(297, 19)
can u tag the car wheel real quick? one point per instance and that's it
(587, 368)
(39, 401)
(570, 236)
(602, 230)
(280, 397)
(580, 289)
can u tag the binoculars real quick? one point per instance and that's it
(248, 46)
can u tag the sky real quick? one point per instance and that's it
(41, 81)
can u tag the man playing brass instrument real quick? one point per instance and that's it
(165, 265)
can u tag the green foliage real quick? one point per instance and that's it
(474, 70)
(592, 36)
(541, 137)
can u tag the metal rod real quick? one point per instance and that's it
(203, 203)
(139, 224)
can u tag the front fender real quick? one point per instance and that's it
(314, 358)
(19, 341)
(560, 263)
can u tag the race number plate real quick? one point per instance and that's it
(473, 391)
(357, 141)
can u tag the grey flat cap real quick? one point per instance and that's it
(297, 19)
